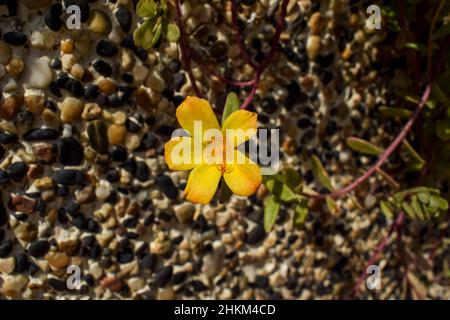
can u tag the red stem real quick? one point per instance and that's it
(380, 247)
(386, 153)
(237, 34)
(185, 56)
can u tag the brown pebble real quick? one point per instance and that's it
(10, 106)
(71, 109)
(107, 86)
(35, 104)
(15, 66)
(22, 204)
(116, 134)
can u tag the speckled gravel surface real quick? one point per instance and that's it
(84, 116)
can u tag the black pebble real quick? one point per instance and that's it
(22, 262)
(256, 234)
(124, 256)
(106, 48)
(70, 152)
(103, 68)
(68, 177)
(167, 187)
(17, 171)
(75, 87)
(3, 215)
(57, 284)
(119, 154)
(56, 63)
(112, 175)
(6, 138)
(123, 16)
(91, 92)
(261, 281)
(39, 248)
(179, 277)
(149, 141)
(53, 22)
(2, 152)
(269, 105)
(4, 179)
(5, 248)
(142, 171)
(40, 134)
(163, 276)
(15, 38)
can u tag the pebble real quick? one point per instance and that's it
(124, 18)
(35, 104)
(103, 68)
(313, 47)
(17, 171)
(156, 82)
(10, 106)
(167, 187)
(70, 152)
(116, 134)
(53, 21)
(5, 248)
(256, 235)
(184, 212)
(98, 137)
(162, 277)
(68, 177)
(106, 48)
(5, 53)
(15, 38)
(38, 248)
(99, 22)
(38, 74)
(40, 134)
(7, 265)
(71, 109)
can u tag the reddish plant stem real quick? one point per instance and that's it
(379, 249)
(397, 141)
(237, 35)
(184, 47)
(273, 49)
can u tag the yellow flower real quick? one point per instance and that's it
(211, 153)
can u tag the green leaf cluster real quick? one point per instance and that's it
(155, 24)
(420, 203)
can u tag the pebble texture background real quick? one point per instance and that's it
(84, 116)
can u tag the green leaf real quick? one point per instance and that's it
(144, 35)
(278, 187)
(443, 129)
(172, 33)
(412, 153)
(363, 146)
(164, 5)
(147, 9)
(417, 207)
(300, 213)
(231, 105)
(320, 173)
(442, 32)
(386, 210)
(436, 92)
(332, 206)
(420, 47)
(271, 209)
(292, 178)
(157, 33)
(395, 112)
(225, 192)
(408, 209)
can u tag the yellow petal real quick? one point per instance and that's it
(202, 183)
(243, 179)
(239, 127)
(179, 153)
(192, 110)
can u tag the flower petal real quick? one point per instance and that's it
(243, 178)
(239, 127)
(202, 183)
(179, 153)
(194, 109)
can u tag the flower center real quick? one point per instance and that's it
(219, 149)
